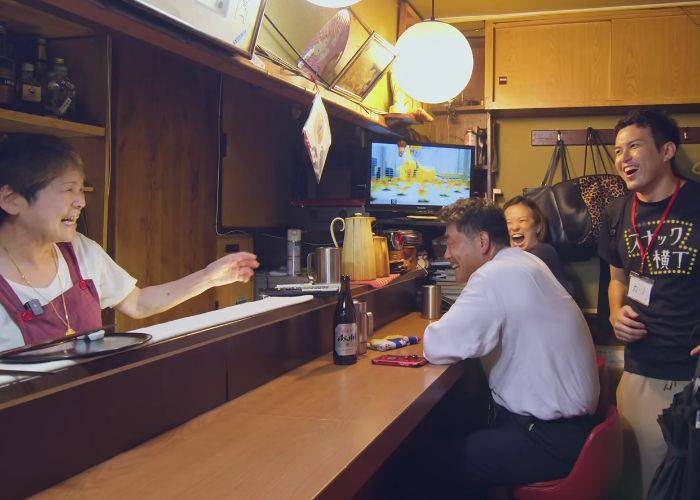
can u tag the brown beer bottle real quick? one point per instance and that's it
(344, 327)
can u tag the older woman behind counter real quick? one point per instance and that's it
(55, 281)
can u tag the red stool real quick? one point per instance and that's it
(599, 465)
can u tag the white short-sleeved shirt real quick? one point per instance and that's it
(112, 282)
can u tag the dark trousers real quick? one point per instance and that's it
(518, 449)
(513, 450)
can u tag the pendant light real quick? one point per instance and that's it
(434, 61)
(336, 4)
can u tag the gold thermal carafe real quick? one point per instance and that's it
(381, 256)
(358, 258)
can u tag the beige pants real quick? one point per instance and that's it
(640, 400)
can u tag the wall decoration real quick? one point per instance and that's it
(231, 23)
(325, 49)
(365, 68)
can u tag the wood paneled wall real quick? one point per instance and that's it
(259, 163)
(165, 167)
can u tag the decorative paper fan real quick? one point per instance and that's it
(327, 46)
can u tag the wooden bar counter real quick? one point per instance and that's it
(318, 430)
(67, 421)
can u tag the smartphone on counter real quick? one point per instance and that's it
(413, 360)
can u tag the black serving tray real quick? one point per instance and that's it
(75, 347)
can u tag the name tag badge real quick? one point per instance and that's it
(639, 288)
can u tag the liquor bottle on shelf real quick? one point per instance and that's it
(344, 326)
(7, 71)
(60, 92)
(29, 90)
(41, 62)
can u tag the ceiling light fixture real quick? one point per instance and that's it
(336, 4)
(434, 61)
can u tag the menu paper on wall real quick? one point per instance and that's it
(317, 136)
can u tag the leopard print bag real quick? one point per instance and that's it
(575, 207)
(599, 189)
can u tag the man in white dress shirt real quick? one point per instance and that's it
(544, 382)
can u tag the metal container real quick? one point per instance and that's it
(365, 323)
(323, 265)
(431, 301)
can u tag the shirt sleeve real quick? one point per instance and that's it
(113, 283)
(470, 329)
(609, 229)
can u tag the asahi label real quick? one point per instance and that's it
(346, 339)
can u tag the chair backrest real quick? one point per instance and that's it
(599, 463)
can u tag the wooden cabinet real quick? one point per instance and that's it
(656, 59)
(87, 56)
(551, 65)
(616, 58)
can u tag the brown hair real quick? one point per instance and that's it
(29, 162)
(537, 214)
(474, 215)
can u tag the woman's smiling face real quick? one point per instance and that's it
(53, 213)
(522, 227)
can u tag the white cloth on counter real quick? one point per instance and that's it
(112, 282)
(170, 329)
(514, 307)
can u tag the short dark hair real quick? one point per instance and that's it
(536, 213)
(474, 215)
(663, 128)
(29, 162)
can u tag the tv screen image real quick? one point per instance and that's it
(419, 175)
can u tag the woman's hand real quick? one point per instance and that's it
(232, 267)
(695, 351)
(626, 326)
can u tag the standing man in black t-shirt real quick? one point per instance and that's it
(651, 242)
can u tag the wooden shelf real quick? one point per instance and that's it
(281, 81)
(15, 121)
(461, 109)
(24, 19)
(272, 77)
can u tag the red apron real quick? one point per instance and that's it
(82, 303)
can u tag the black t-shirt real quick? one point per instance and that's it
(549, 256)
(672, 263)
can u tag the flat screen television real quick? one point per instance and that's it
(418, 177)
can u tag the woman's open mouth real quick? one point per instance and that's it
(517, 239)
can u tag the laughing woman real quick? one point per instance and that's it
(527, 229)
(53, 280)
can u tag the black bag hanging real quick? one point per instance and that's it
(561, 204)
(575, 207)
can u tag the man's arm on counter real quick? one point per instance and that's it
(144, 302)
(471, 328)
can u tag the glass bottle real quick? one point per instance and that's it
(344, 326)
(41, 64)
(29, 90)
(60, 92)
(7, 71)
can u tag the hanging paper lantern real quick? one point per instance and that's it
(434, 61)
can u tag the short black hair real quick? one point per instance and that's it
(29, 162)
(474, 215)
(537, 214)
(663, 128)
